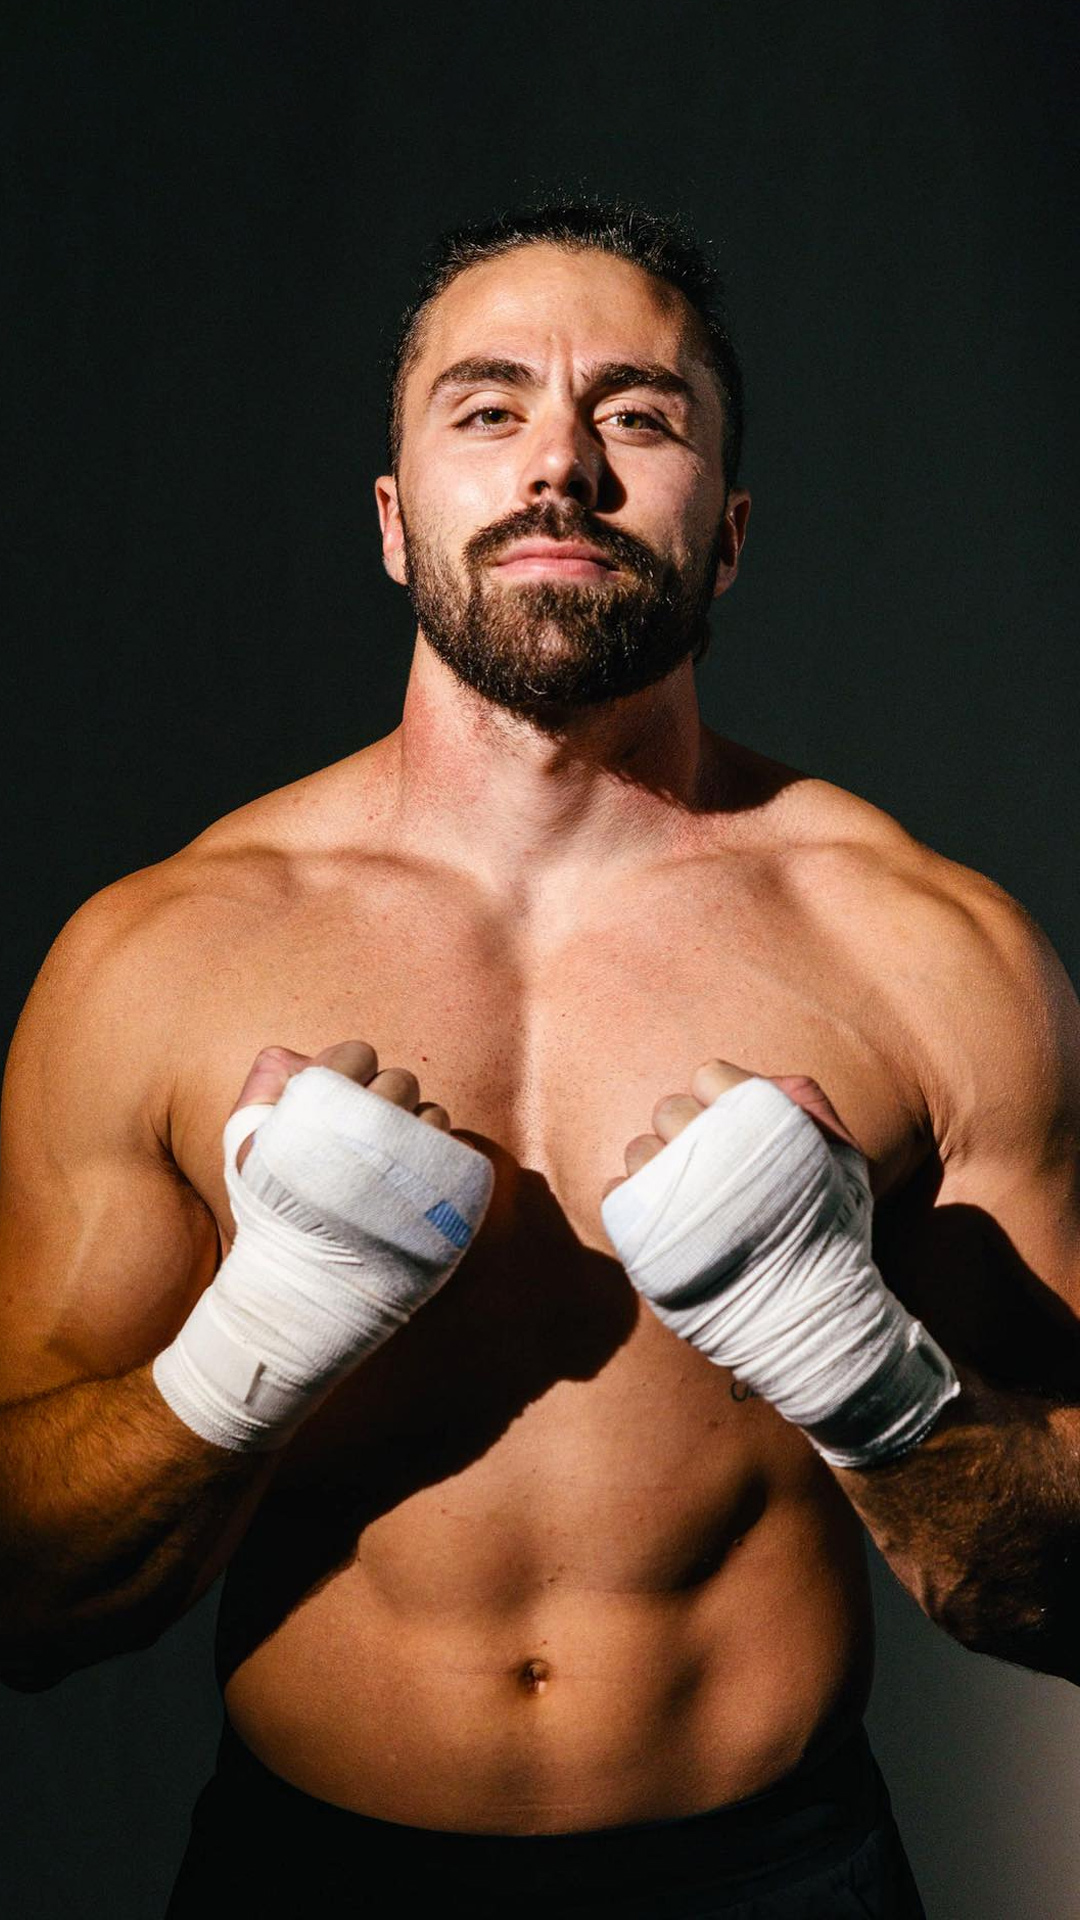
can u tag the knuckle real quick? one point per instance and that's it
(353, 1059)
(274, 1056)
(716, 1076)
(715, 1069)
(642, 1143)
(397, 1083)
(361, 1051)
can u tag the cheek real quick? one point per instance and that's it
(428, 526)
(671, 505)
(440, 527)
(454, 492)
(704, 521)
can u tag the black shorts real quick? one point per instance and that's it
(821, 1845)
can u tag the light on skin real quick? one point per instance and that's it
(571, 377)
(707, 1082)
(524, 391)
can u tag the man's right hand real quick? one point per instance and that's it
(353, 1204)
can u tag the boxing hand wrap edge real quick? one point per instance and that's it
(748, 1235)
(915, 1392)
(350, 1214)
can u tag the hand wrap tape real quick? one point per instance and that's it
(749, 1235)
(350, 1213)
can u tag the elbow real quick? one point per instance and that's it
(36, 1663)
(1047, 1648)
(31, 1675)
(1035, 1632)
(32, 1663)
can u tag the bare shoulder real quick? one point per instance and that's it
(118, 979)
(978, 995)
(104, 1241)
(137, 961)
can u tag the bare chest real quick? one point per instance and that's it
(549, 1038)
(533, 1413)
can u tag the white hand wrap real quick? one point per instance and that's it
(350, 1213)
(749, 1235)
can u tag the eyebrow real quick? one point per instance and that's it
(607, 376)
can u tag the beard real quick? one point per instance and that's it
(542, 648)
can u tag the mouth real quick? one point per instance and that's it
(558, 560)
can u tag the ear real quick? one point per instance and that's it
(736, 515)
(393, 533)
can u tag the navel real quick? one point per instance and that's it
(533, 1676)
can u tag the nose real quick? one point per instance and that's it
(563, 461)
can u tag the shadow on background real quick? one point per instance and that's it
(99, 1777)
(980, 1759)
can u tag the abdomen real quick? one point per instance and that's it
(642, 1598)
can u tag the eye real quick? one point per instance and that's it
(634, 420)
(487, 419)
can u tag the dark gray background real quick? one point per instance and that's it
(212, 218)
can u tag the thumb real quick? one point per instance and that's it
(808, 1095)
(270, 1073)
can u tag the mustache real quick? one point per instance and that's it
(548, 523)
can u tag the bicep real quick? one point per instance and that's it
(984, 1244)
(103, 1245)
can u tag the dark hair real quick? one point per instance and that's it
(654, 242)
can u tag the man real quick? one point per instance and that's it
(545, 1581)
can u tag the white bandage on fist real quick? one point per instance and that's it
(350, 1213)
(749, 1235)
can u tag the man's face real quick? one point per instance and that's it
(559, 515)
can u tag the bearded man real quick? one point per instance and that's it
(539, 1484)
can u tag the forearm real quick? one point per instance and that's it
(750, 1236)
(114, 1517)
(125, 1496)
(981, 1523)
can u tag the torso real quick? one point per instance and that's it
(538, 1565)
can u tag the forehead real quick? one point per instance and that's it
(541, 302)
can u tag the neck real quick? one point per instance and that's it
(518, 804)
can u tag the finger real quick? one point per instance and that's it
(644, 1147)
(672, 1114)
(356, 1059)
(713, 1078)
(808, 1095)
(434, 1115)
(611, 1186)
(398, 1085)
(270, 1073)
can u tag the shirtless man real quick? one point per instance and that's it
(532, 1602)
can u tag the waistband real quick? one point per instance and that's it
(813, 1818)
